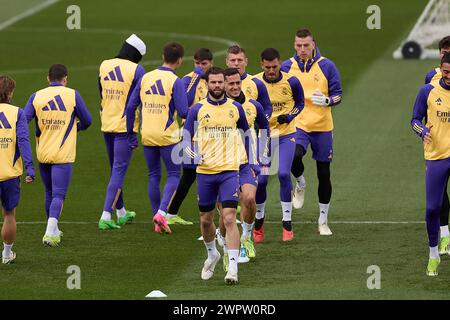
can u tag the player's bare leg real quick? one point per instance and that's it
(248, 212)
(232, 241)
(208, 230)
(9, 231)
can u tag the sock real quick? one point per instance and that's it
(286, 208)
(247, 230)
(233, 256)
(121, 212)
(434, 252)
(287, 225)
(211, 249)
(168, 215)
(106, 216)
(301, 181)
(323, 218)
(444, 231)
(260, 210)
(7, 250)
(162, 213)
(52, 227)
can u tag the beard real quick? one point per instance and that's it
(216, 94)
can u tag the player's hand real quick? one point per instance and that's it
(199, 71)
(264, 160)
(29, 179)
(132, 141)
(255, 169)
(198, 159)
(319, 99)
(426, 135)
(283, 119)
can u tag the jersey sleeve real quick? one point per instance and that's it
(132, 105)
(23, 142)
(298, 96)
(420, 111)
(82, 113)
(334, 81)
(179, 98)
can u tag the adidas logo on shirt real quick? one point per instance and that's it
(4, 124)
(157, 88)
(114, 75)
(58, 106)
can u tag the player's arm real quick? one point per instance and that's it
(420, 112)
(23, 143)
(82, 113)
(191, 83)
(334, 86)
(286, 65)
(430, 76)
(179, 99)
(30, 112)
(264, 137)
(247, 139)
(130, 112)
(263, 97)
(188, 134)
(299, 101)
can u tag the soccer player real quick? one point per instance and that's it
(59, 113)
(434, 76)
(117, 79)
(432, 104)
(248, 178)
(14, 145)
(196, 90)
(217, 147)
(321, 83)
(286, 96)
(161, 96)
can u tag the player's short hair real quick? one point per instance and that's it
(444, 43)
(57, 72)
(214, 70)
(172, 52)
(445, 58)
(303, 33)
(7, 86)
(235, 49)
(231, 72)
(203, 54)
(270, 54)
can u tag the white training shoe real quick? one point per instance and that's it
(219, 238)
(231, 277)
(299, 196)
(9, 260)
(324, 230)
(209, 266)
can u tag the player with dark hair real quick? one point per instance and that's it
(60, 113)
(162, 97)
(14, 146)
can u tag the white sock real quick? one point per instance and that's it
(211, 249)
(301, 181)
(434, 252)
(323, 217)
(260, 210)
(162, 213)
(106, 216)
(121, 212)
(7, 250)
(444, 231)
(168, 215)
(52, 227)
(233, 256)
(247, 229)
(286, 208)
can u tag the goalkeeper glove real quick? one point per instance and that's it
(319, 99)
(283, 119)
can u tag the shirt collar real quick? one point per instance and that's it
(165, 69)
(273, 81)
(443, 85)
(244, 75)
(55, 84)
(216, 103)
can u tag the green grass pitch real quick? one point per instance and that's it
(377, 172)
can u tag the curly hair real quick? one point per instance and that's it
(7, 86)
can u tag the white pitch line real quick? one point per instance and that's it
(27, 13)
(224, 41)
(269, 222)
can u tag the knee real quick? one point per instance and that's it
(284, 177)
(299, 152)
(59, 194)
(248, 199)
(229, 219)
(206, 221)
(433, 210)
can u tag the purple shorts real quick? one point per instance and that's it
(321, 144)
(10, 193)
(223, 186)
(246, 175)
